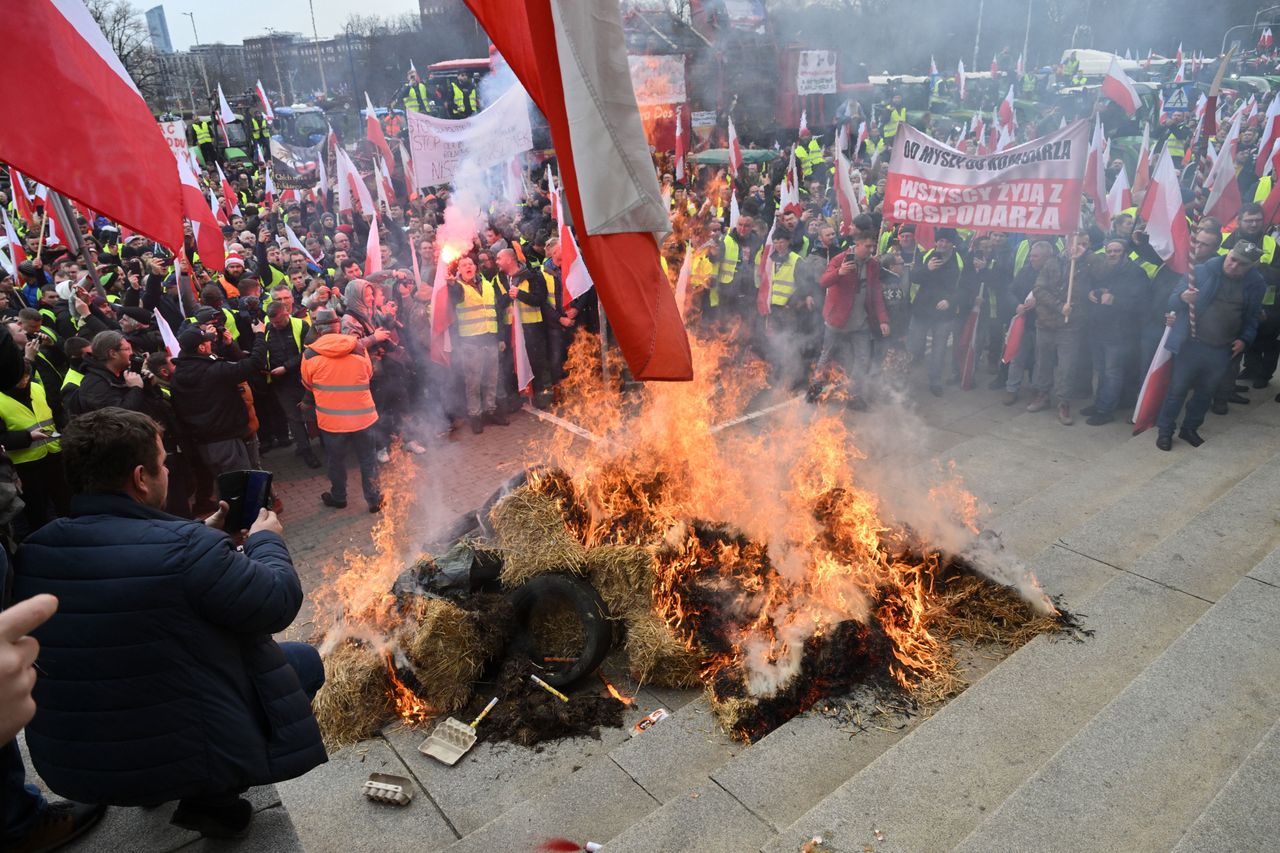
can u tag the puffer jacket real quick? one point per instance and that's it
(207, 396)
(159, 678)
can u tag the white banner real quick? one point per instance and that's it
(488, 138)
(816, 72)
(175, 133)
(657, 79)
(1033, 188)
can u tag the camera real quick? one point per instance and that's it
(136, 362)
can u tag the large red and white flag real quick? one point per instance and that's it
(1224, 190)
(1155, 387)
(18, 253)
(441, 313)
(847, 197)
(1119, 196)
(204, 226)
(381, 185)
(269, 189)
(520, 352)
(292, 241)
(735, 151)
(1142, 171)
(764, 275)
(960, 79)
(1118, 87)
(351, 184)
(1166, 221)
(967, 352)
(573, 269)
(565, 53)
(373, 251)
(229, 197)
(373, 129)
(680, 144)
(1095, 178)
(1013, 338)
(266, 102)
(735, 213)
(1179, 76)
(102, 146)
(1008, 115)
(1268, 134)
(790, 183)
(682, 280)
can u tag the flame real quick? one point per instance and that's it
(615, 693)
(412, 710)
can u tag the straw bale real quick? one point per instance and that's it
(623, 575)
(729, 713)
(557, 629)
(446, 652)
(533, 538)
(656, 656)
(356, 698)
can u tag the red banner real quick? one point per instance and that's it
(1033, 188)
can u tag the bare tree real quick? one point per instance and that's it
(128, 36)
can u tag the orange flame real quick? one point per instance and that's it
(412, 710)
(615, 693)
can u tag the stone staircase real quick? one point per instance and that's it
(1158, 732)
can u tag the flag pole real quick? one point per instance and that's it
(1071, 280)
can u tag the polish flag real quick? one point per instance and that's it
(1020, 69)
(573, 270)
(1008, 117)
(680, 146)
(373, 129)
(204, 226)
(790, 183)
(845, 193)
(563, 52)
(1166, 220)
(520, 352)
(682, 280)
(117, 169)
(1013, 338)
(1155, 387)
(764, 275)
(735, 151)
(372, 251)
(292, 241)
(229, 196)
(859, 149)
(1118, 87)
(1265, 41)
(1119, 196)
(1182, 67)
(1224, 191)
(351, 184)
(966, 355)
(15, 245)
(978, 127)
(995, 66)
(804, 120)
(1178, 56)
(23, 198)
(1268, 134)
(269, 189)
(960, 79)
(1095, 187)
(381, 185)
(219, 215)
(441, 316)
(1142, 171)
(266, 103)
(1273, 161)
(225, 115)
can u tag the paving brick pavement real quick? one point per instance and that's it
(455, 475)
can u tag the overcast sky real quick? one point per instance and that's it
(231, 21)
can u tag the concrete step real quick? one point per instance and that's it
(1149, 763)
(1243, 815)
(707, 819)
(931, 789)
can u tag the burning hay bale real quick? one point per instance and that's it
(979, 611)
(533, 538)
(624, 576)
(447, 652)
(657, 656)
(356, 700)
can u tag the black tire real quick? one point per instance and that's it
(591, 612)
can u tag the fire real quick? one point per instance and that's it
(412, 710)
(615, 693)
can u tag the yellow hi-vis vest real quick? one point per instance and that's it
(728, 261)
(896, 117)
(1263, 190)
(461, 99)
(782, 278)
(297, 324)
(528, 313)
(478, 310)
(73, 378)
(807, 157)
(1268, 255)
(18, 418)
(203, 132)
(417, 100)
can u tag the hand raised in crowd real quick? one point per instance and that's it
(935, 262)
(158, 266)
(133, 380)
(381, 335)
(18, 654)
(135, 280)
(943, 304)
(259, 328)
(32, 349)
(82, 307)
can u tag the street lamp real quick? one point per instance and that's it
(203, 71)
(276, 62)
(315, 39)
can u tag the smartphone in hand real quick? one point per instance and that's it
(246, 493)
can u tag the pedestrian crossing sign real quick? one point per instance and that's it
(1178, 99)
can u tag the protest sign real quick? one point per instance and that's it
(295, 167)
(1033, 188)
(657, 79)
(816, 72)
(496, 134)
(175, 134)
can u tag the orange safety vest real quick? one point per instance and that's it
(338, 377)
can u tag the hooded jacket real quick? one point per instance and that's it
(338, 377)
(206, 393)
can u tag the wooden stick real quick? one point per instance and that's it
(1071, 281)
(44, 229)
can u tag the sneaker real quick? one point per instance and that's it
(1039, 403)
(384, 456)
(329, 500)
(414, 448)
(1064, 414)
(214, 820)
(309, 457)
(1010, 397)
(1100, 418)
(61, 822)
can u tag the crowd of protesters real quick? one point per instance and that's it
(161, 367)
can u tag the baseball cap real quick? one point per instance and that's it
(190, 339)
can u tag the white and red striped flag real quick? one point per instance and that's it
(1224, 190)
(995, 66)
(1268, 134)
(847, 197)
(204, 226)
(266, 102)
(103, 147)
(269, 189)
(680, 144)
(520, 352)
(1155, 387)
(15, 245)
(1008, 115)
(1119, 196)
(573, 269)
(735, 151)
(960, 79)
(373, 250)
(225, 115)
(1166, 220)
(229, 197)
(1095, 187)
(1142, 171)
(373, 129)
(1020, 68)
(764, 275)
(292, 241)
(441, 315)
(1118, 87)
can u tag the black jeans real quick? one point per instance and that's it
(335, 451)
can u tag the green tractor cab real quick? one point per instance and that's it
(235, 148)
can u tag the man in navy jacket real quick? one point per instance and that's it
(1216, 316)
(159, 679)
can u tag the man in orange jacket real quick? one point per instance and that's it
(337, 375)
